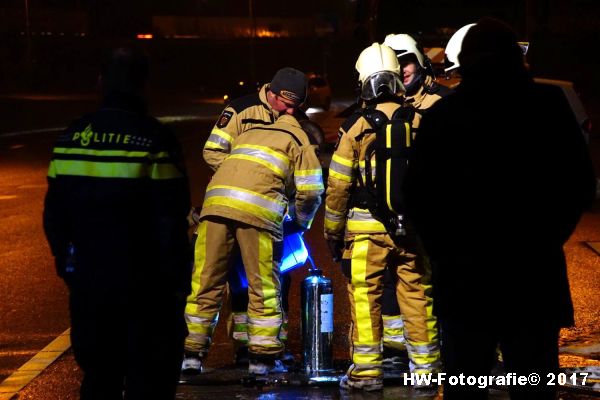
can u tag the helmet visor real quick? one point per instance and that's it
(381, 82)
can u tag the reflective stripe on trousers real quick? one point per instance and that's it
(393, 332)
(365, 289)
(370, 254)
(260, 255)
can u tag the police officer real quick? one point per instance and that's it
(369, 250)
(283, 95)
(262, 169)
(421, 93)
(114, 217)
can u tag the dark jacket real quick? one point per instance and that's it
(499, 180)
(118, 190)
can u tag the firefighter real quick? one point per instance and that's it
(283, 95)
(491, 226)
(245, 203)
(362, 242)
(421, 93)
(451, 62)
(115, 219)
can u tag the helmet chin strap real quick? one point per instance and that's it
(416, 83)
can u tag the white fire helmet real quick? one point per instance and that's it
(404, 44)
(453, 48)
(378, 68)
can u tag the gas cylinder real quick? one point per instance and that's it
(317, 322)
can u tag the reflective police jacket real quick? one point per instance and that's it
(267, 167)
(118, 191)
(347, 162)
(242, 114)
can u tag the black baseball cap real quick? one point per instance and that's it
(290, 84)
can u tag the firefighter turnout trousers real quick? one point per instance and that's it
(394, 334)
(369, 255)
(261, 254)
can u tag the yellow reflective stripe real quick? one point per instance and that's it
(339, 176)
(109, 153)
(344, 161)
(200, 329)
(393, 321)
(334, 220)
(388, 163)
(361, 290)
(160, 171)
(284, 159)
(243, 206)
(341, 168)
(264, 332)
(309, 172)
(222, 134)
(218, 139)
(264, 156)
(367, 373)
(212, 146)
(52, 170)
(338, 214)
(100, 169)
(278, 171)
(248, 195)
(333, 226)
(309, 179)
(357, 226)
(372, 359)
(112, 169)
(408, 135)
(199, 261)
(265, 268)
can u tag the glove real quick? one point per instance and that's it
(336, 248)
(291, 226)
(193, 217)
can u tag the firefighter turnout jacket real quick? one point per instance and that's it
(347, 162)
(240, 115)
(268, 166)
(424, 98)
(369, 252)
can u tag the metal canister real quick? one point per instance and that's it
(317, 323)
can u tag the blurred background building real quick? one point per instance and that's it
(196, 45)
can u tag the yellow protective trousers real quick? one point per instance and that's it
(369, 256)
(261, 255)
(424, 357)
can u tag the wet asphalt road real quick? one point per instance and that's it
(33, 310)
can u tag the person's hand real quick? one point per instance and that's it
(193, 217)
(336, 248)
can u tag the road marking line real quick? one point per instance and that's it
(594, 246)
(32, 368)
